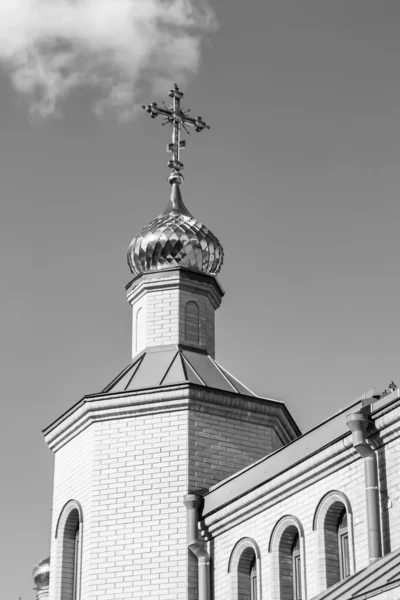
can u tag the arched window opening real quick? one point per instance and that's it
(70, 566)
(139, 330)
(336, 539)
(192, 323)
(253, 579)
(247, 575)
(343, 544)
(296, 566)
(290, 565)
(244, 569)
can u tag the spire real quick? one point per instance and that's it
(175, 204)
(178, 118)
(175, 238)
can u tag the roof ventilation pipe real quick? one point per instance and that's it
(358, 424)
(192, 503)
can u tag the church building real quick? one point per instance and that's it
(176, 482)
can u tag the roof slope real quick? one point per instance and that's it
(383, 574)
(177, 365)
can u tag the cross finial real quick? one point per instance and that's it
(178, 118)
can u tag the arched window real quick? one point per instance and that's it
(290, 564)
(244, 564)
(140, 333)
(69, 552)
(287, 548)
(296, 568)
(253, 579)
(192, 322)
(343, 545)
(247, 575)
(333, 521)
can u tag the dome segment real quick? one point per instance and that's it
(41, 574)
(175, 239)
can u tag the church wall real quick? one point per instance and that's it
(207, 320)
(73, 480)
(162, 317)
(299, 497)
(222, 443)
(140, 479)
(130, 476)
(302, 505)
(389, 483)
(139, 333)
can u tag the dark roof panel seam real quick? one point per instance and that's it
(193, 369)
(139, 362)
(168, 369)
(225, 377)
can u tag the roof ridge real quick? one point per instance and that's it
(220, 369)
(193, 369)
(169, 368)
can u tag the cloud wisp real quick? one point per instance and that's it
(52, 47)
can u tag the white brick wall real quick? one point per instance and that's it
(160, 303)
(222, 444)
(130, 474)
(73, 479)
(302, 505)
(300, 497)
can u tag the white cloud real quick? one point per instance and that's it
(54, 46)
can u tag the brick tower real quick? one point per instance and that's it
(173, 423)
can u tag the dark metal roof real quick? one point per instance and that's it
(158, 368)
(383, 574)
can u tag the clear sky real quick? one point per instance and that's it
(298, 177)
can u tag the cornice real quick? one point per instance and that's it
(330, 458)
(177, 277)
(102, 407)
(279, 488)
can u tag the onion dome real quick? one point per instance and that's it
(175, 239)
(41, 574)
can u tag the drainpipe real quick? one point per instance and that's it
(358, 424)
(192, 503)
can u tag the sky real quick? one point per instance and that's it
(298, 177)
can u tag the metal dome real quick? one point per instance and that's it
(175, 239)
(41, 574)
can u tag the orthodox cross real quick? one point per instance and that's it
(178, 118)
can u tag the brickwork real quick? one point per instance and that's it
(73, 480)
(301, 503)
(224, 442)
(315, 500)
(206, 321)
(129, 471)
(139, 333)
(160, 316)
(325, 524)
(131, 489)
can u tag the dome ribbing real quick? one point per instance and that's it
(174, 239)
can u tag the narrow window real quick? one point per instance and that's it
(343, 544)
(247, 575)
(70, 557)
(253, 580)
(192, 323)
(296, 566)
(290, 580)
(336, 540)
(76, 564)
(139, 330)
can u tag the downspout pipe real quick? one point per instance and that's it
(197, 546)
(358, 424)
